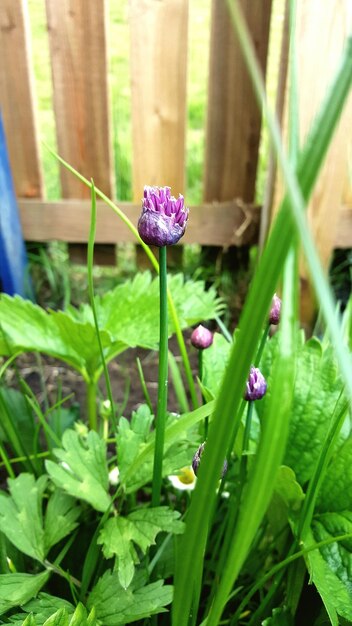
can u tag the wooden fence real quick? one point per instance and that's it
(78, 43)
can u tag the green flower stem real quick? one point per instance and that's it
(90, 260)
(92, 404)
(154, 262)
(6, 462)
(262, 346)
(200, 376)
(162, 381)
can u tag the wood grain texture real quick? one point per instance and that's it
(77, 37)
(16, 98)
(234, 118)
(226, 224)
(320, 37)
(159, 74)
(320, 40)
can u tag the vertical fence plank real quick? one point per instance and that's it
(16, 98)
(320, 40)
(234, 118)
(159, 77)
(77, 37)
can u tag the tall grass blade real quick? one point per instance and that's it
(225, 420)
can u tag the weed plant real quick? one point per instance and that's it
(135, 519)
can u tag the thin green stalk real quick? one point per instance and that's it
(200, 376)
(262, 346)
(6, 461)
(282, 565)
(319, 472)
(90, 260)
(143, 385)
(162, 381)
(154, 262)
(92, 404)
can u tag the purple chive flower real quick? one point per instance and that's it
(164, 218)
(275, 310)
(201, 338)
(197, 457)
(256, 385)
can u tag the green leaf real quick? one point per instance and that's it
(286, 502)
(134, 439)
(17, 589)
(336, 491)
(60, 518)
(141, 528)
(71, 335)
(317, 391)
(115, 605)
(83, 471)
(60, 618)
(215, 361)
(21, 518)
(29, 328)
(47, 605)
(280, 617)
(330, 567)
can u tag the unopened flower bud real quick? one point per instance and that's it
(275, 310)
(163, 219)
(256, 385)
(197, 457)
(201, 337)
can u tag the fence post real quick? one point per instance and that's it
(234, 118)
(320, 39)
(77, 37)
(16, 99)
(159, 77)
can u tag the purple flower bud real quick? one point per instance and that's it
(164, 218)
(256, 385)
(275, 310)
(197, 457)
(201, 337)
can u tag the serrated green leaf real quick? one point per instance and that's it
(21, 518)
(71, 335)
(29, 328)
(46, 605)
(115, 605)
(141, 528)
(132, 439)
(317, 391)
(60, 618)
(60, 518)
(17, 589)
(29, 621)
(83, 472)
(336, 491)
(330, 567)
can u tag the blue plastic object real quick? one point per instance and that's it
(14, 277)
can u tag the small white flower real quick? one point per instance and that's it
(114, 475)
(185, 480)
